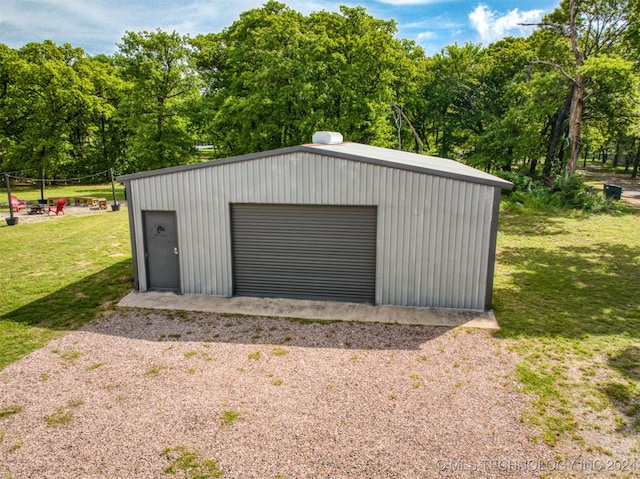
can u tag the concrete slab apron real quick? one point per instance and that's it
(307, 309)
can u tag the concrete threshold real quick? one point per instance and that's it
(308, 309)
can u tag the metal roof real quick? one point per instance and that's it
(404, 160)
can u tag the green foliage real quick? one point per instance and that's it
(229, 417)
(59, 418)
(275, 76)
(9, 411)
(572, 193)
(550, 414)
(160, 83)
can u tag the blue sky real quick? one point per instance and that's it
(98, 25)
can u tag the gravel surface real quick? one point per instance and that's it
(332, 400)
(69, 210)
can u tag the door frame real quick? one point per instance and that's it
(149, 287)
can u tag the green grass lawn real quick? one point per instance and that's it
(566, 296)
(56, 275)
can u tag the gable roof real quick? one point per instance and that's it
(403, 160)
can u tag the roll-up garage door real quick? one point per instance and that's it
(304, 252)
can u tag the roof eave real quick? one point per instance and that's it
(311, 148)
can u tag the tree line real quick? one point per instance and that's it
(538, 104)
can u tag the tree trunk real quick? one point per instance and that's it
(556, 133)
(634, 174)
(584, 158)
(43, 159)
(577, 107)
(627, 156)
(577, 102)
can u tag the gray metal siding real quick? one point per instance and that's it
(304, 251)
(433, 233)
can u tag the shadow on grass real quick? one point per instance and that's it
(72, 306)
(625, 395)
(31, 326)
(627, 362)
(78, 304)
(583, 290)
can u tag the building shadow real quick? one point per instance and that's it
(89, 304)
(75, 304)
(210, 327)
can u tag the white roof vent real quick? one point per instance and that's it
(327, 138)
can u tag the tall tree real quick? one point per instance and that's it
(449, 88)
(110, 133)
(44, 103)
(275, 76)
(161, 81)
(497, 138)
(592, 28)
(258, 92)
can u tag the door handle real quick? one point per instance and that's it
(175, 250)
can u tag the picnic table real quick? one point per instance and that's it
(86, 201)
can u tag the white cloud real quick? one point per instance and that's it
(425, 36)
(492, 27)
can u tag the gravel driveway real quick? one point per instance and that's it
(301, 400)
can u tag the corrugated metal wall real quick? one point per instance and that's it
(433, 239)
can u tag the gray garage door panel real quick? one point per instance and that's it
(304, 252)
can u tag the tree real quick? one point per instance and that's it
(44, 102)
(498, 137)
(593, 28)
(447, 113)
(110, 133)
(275, 76)
(156, 66)
(363, 63)
(258, 92)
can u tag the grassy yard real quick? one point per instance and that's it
(56, 275)
(566, 296)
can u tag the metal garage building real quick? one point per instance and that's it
(330, 220)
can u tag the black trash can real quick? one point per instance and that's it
(613, 191)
